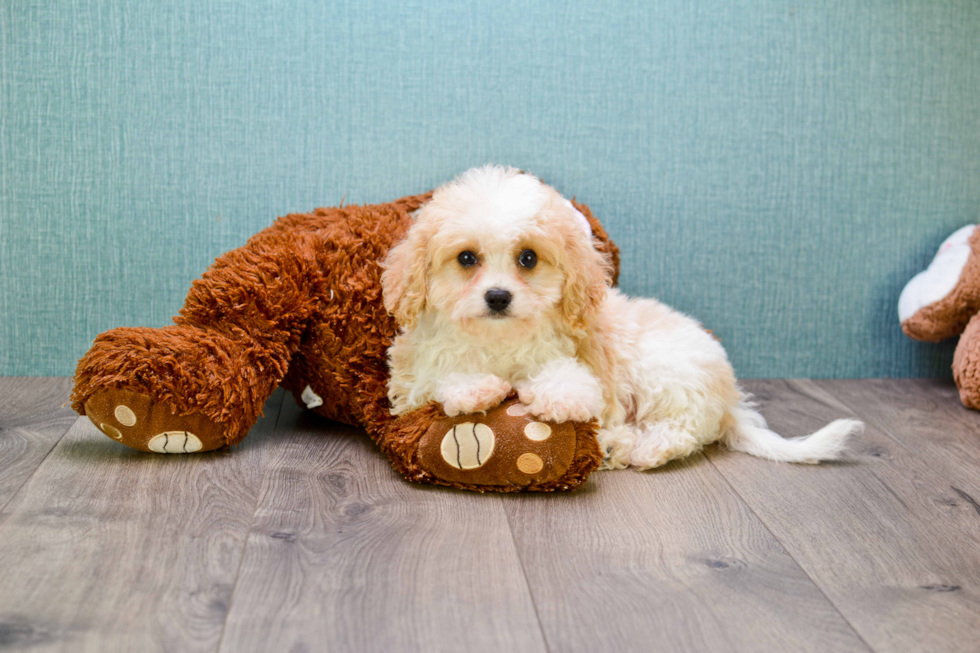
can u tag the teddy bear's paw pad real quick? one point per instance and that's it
(530, 463)
(175, 442)
(506, 446)
(940, 278)
(467, 445)
(148, 425)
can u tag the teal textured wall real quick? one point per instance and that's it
(777, 169)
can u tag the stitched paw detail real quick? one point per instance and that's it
(175, 442)
(140, 422)
(505, 447)
(467, 445)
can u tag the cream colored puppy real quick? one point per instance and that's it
(498, 287)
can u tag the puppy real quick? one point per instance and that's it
(498, 287)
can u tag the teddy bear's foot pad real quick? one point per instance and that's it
(507, 446)
(141, 423)
(175, 442)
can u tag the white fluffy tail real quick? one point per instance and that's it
(751, 435)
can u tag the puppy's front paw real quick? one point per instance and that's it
(470, 393)
(561, 402)
(563, 391)
(571, 407)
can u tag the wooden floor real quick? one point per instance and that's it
(304, 539)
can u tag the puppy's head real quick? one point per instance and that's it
(495, 251)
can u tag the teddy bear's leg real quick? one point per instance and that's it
(202, 383)
(966, 364)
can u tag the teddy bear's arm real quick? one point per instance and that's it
(939, 301)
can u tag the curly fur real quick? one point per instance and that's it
(300, 306)
(572, 346)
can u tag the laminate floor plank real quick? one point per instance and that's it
(344, 555)
(32, 420)
(875, 531)
(110, 549)
(926, 417)
(668, 560)
(303, 538)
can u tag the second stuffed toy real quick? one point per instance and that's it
(301, 305)
(943, 301)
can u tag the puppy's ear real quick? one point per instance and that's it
(587, 273)
(404, 278)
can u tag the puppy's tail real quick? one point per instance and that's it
(751, 435)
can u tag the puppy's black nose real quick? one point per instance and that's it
(498, 299)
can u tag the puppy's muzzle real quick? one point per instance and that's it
(498, 300)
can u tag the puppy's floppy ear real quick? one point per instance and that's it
(404, 278)
(587, 272)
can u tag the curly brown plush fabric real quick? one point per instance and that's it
(300, 306)
(966, 364)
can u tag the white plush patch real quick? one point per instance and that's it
(310, 398)
(938, 280)
(125, 415)
(175, 442)
(537, 431)
(111, 431)
(468, 446)
(530, 463)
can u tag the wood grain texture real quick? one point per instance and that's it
(344, 555)
(32, 420)
(876, 531)
(110, 549)
(670, 560)
(308, 541)
(926, 417)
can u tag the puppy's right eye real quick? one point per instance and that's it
(466, 259)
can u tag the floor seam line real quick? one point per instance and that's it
(867, 421)
(929, 462)
(782, 545)
(527, 584)
(248, 532)
(38, 466)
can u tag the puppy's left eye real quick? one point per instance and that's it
(528, 259)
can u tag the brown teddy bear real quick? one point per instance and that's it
(944, 301)
(301, 305)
